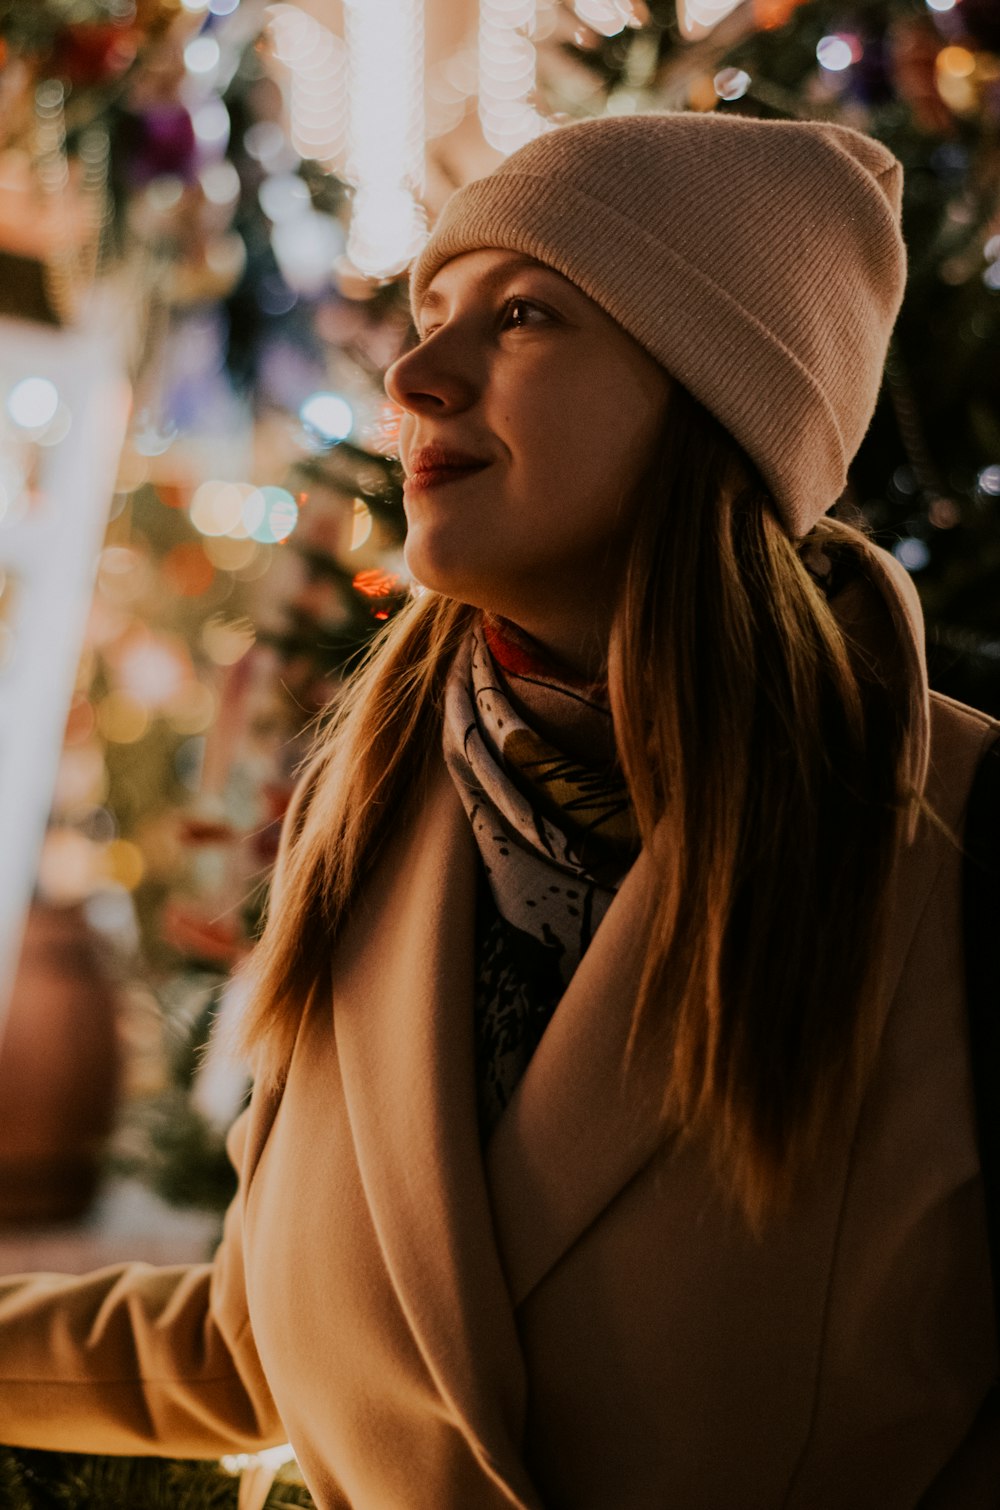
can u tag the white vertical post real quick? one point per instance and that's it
(52, 524)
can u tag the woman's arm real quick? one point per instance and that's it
(137, 1359)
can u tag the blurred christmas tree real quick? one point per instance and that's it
(925, 79)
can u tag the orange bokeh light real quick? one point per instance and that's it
(374, 583)
(187, 570)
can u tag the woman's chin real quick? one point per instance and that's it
(439, 566)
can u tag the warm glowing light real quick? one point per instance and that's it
(698, 17)
(124, 863)
(227, 640)
(187, 570)
(70, 866)
(382, 430)
(316, 60)
(33, 402)
(216, 508)
(80, 721)
(507, 73)
(152, 671)
(361, 524)
(958, 61)
(375, 583)
(231, 553)
(385, 158)
(606, 17)
(193, 710)
(121, 719)
(328, 417)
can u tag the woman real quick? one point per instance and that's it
(633, 1164)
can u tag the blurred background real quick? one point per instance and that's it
(207, 211)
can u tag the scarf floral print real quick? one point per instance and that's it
(530, 748)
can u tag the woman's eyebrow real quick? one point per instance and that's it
(434, 298)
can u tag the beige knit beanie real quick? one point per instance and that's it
(759, 261)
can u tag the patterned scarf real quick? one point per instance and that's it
(531, 750)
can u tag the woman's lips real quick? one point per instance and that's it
(434, 477)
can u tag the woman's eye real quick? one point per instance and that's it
(517, 311)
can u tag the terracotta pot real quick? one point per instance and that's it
(59, 1073)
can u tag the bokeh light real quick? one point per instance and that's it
(912, 553)
(124, 863)
(731, 83)
(231, 553)
(328, 417)
(32, 403)
(152, 670)
(834, 53)
(375, 583)
(216, 508)
(202, 55)
(220, 182)
(988, 481)
(121, 719)
(270, 515)
(70, 867)
(193, 710)
(361, 524)
(226, 641)
(211, 124)
(187, 570)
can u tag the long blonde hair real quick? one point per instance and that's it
(766, 761)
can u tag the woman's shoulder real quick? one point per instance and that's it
(959, 737)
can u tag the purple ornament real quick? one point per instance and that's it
(161, 141)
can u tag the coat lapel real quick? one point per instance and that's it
(402, 1003)
(577, 1130)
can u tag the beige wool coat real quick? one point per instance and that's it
(573, 1320)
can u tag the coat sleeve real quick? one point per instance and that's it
(136, 1359)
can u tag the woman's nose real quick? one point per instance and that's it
(429, 379)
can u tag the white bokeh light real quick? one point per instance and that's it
(507, 73)
(305, 248)
(699, 17)
(834, 54)
(327, 416)
(33, 402)
(211, 124)
(385, 160)
(202, 55)
(316, 60)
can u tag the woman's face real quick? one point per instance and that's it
(556, 409)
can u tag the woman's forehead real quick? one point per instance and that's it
(484, 268)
